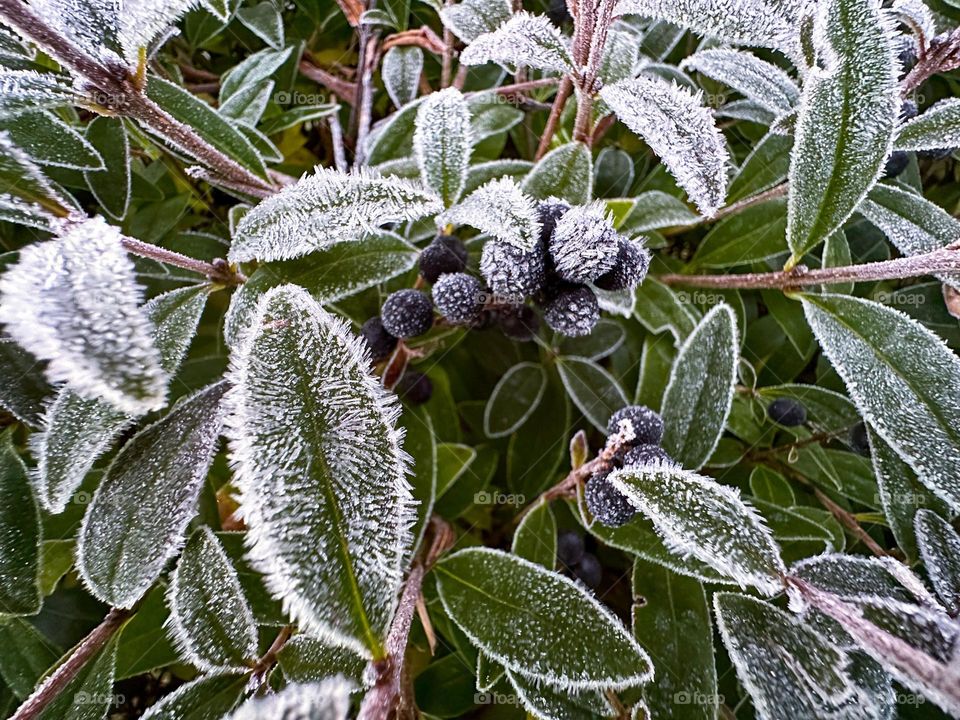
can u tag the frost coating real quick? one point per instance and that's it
(210, 621)
(498, 208)
(513, 273)
(400, 71)
(584, 244)
(325, 208)
(318, 462)
(698, 517)
(442, 142)
(680, 130)
(74, 301)
(938, 127)
(325, 700)
(547, 702)
(525, 39)
(471, 18)
(917, 14)
(28, 91)
(939, 546)
(756, 79)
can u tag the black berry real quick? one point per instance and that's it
(407, 313)
(646, 455)
(606, 503)
(584, 244)
(513, 274)
(518, 322)
(459, 297)
(573, 312)
(549, 211)
(446, 254)
(380, 342)
(569, 548)
(859, 442)
(647, 424)
(414, 387)
(896, 164)
(589, 571)
(629, 269)
(787, 412)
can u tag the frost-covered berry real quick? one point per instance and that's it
(647, 424)
(380, 342)
(896, 164)
(458, 297)
(549, 211)
(519, 322)
(787, 412)
(573, 312)
(589, 571)
(908, 110)
(513, 274)
(446, 254)
(414, 387)
(859, 442)
(569, 548)
(407, 313)
(606, 503)
(646, 454)
(584, 244)
(629, 269)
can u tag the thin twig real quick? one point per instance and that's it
(218, 271)
(741, 205)
(553, 121)
(269, 658)
(343, 89)
(850, 523)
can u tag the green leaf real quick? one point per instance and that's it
(698, 397)
(400, 70)
(23, 388)
(613, 173)
(138, 515)
(144, 644)
(210, 618)
(827, 411)
(209, 697)
(697, 517)
(538, 447)
(660, 307)
(536, 536)
(110, 185)
(906, 390)
(25, 190)
(594, 391)
(938, 127)
(26, 655)
(471, 18)
(754, 235)
(568, 638)
(514, 399)
(309, 423)
(307, 659)
(836, 253)
(939, 546)
(89, 693)
(671, 619)
(56, 560)
(655, 209)
(846, 121)
(50, 141)
(442, 142)
(565, 172)
(545, 701)
(420, 442)
(19, 536)
(767, 165)
(253, 70)
(605, 339)
(264, 21)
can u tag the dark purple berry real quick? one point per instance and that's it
(513, 274)
(446, 254)
(548, 212)
(584, 244)
(647, 424)
(787, 412)
(574, 312)
(908, 110)
(629, 270)
(380, 342)
(607, 504)
(459, 297)
(859, 442)
(896, 164)
(519, 322)
(646, 455)
(569, 548)
(414, 387)
(407, 313)
(589, 571)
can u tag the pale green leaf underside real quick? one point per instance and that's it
(442, 141)
(938, 127)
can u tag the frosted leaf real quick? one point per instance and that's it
(755, 79)
(21, 212)
(937, 127)
(22, 182)
(320, 470)
(74, 301)
(680, 131)
(326, 700)
(853, 576)
(307, 659)
(442, 142)
(584, 244)
(209, 697)
(524, 39)
(498, 208)
(846, 120)
(939, 547)
(906, 390)
(697, 517)
(471, 18)
(323, 209)
(28, 90)
(655, 209)
(210, 621)
(764, 23)
(790, 670)
(570, 640)
(19, 536)
(566, 172)
(400, 71)
(699, 394)
(911, 222)
(136, 520)
(915, 13)
(140, 22)
(620, 55)
(547, 702)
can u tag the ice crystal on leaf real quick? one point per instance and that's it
(525, 39)
(442, 142)
(499, 208)
(937, 127)
(28, 91)
(680, 130)
(75, 302)
(916, 14)
(470, 19)
(756, 79)
(326, 208)
(320, 470)
(939, 547)
(328, 699)
(584, 244)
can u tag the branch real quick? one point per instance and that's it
(563, 94)
(85, 651)
(218, 271)
(343, 89)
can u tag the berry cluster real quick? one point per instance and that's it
(604, 501)
(573, 557)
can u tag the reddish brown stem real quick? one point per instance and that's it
(343, 89)
(218, 272)
(553, 120)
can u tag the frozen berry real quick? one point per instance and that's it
(407, 313)
(519, 322)
(859, 442)
(573, 312)
(414, 387)
(907, 55)
(513, 274)
(628, 271)
(647, 424)
(584, 244)
(646, 454)
(549, 211)
(380, 342)
(606, 503)
(589, 571)
(446, 254)
(908, 110)
(459, 297)
(787, 412)
(896, 164)
(558, 12)
(569, 547)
